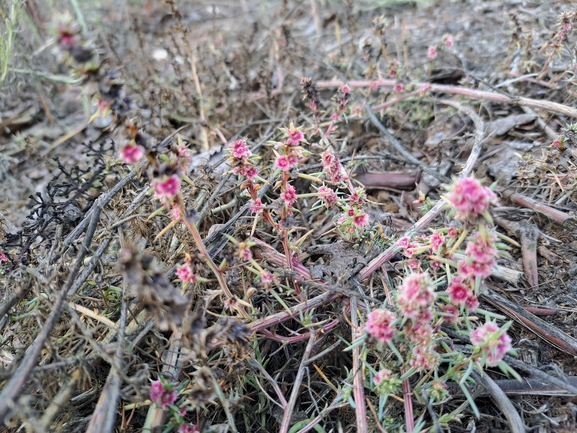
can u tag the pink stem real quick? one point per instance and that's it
(456, 90)
(409, 421)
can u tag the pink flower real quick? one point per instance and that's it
(240, 150)
(186, 274)
(328, 196)
(452, 233)
(345, 89)
(492, 342)
(295, 136)
(449, 40)
(266, 278)
(360, 219)
(379, 326)
(169, 187)
(416, 295)
(470, 199)
(283, 162)
(472, 302)
(175, 213)
(188, 428)
(3, 257)
(458, 291)
(162, 394)
(244, 251)
(481, 247)
(432, 52)
(256, 205)
(132, 154)
(436, 240)
(289, 196)
(399, 87)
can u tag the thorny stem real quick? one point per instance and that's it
(203, 251)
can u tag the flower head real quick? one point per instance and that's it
(387, 383)
(256, 205)
(294, 135)
(432, 52)
(186, 274)
(239, 149)
(168, 187)
(188, 428)
(162, 394)
(378, 325)
(492, 341)
(289, 196)
(132, 154)
(327, 195)
(416, 295)
(437, 240)
(470, 199)
(459, 291)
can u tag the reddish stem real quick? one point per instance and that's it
(409, 421)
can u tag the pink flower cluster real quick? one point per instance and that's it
(416, 297)
(327, 195)
(481, 254)
(470, 199)
(242, 160)
(291, 148)
(462, 293)
(188, 428)
(332, 167)
(186, 274)
(132, 154)
(162, 394)
(168, 187)
(492, 342)
(415, 300)
(387, 383)
(379, 325)
(289, 195)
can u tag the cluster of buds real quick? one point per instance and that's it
(291, 150)
(242, 160)
(386, 382)
(380, 325)
(394, 68)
